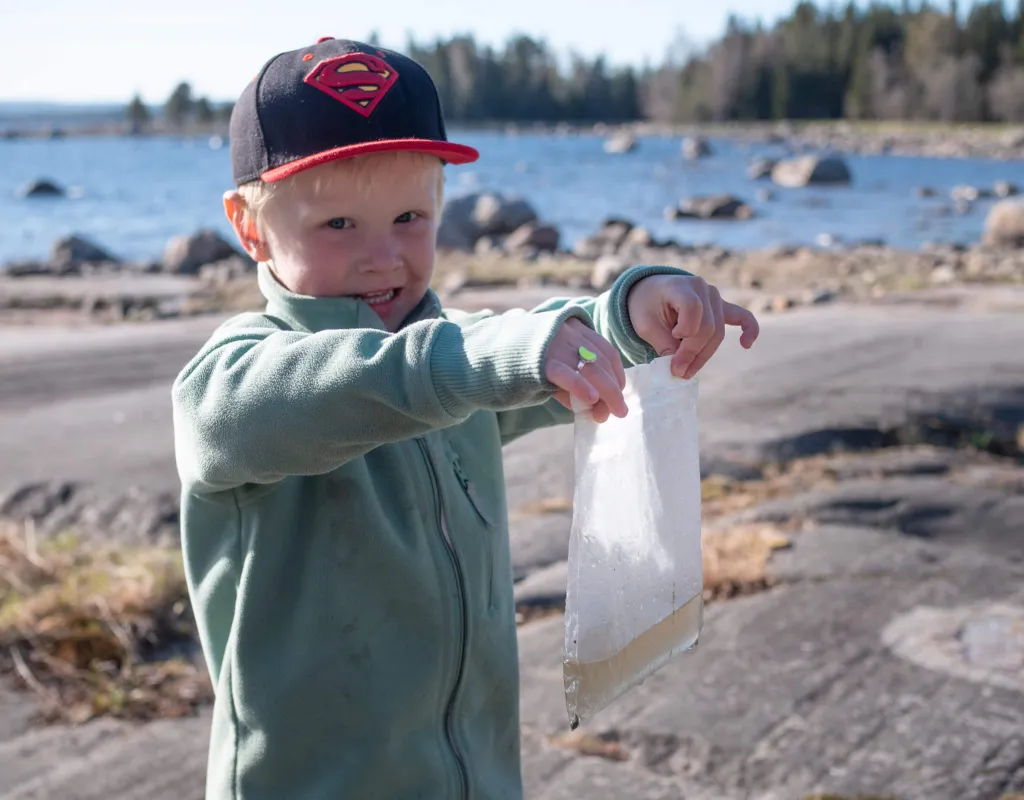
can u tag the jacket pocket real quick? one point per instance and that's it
(468, 488)
(489, 544)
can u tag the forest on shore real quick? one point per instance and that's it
(906, 61)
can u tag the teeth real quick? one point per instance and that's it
(379, 297)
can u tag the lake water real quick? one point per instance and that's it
(131, 195)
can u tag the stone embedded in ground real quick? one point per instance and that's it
(983, 643)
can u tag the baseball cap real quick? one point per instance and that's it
(336, 99)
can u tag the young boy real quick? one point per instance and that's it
(343, 509)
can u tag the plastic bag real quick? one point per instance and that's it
(634, 598)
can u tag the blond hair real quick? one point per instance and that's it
(358, 172)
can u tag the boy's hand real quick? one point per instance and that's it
(665, 309)
(598, 383)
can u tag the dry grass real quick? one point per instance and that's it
(599, 745)
(91, 629)
(736, 560)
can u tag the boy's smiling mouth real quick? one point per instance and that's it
(379, 298)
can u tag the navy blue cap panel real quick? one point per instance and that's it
(335, 95)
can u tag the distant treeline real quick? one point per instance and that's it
(912, 61)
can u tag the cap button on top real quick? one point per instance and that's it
(324, 39)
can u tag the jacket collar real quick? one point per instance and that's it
(315, 314)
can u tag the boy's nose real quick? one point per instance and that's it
(382, 255)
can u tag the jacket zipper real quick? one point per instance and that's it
(456, 567)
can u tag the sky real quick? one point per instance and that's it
(88, 51)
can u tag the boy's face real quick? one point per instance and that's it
(331, 236)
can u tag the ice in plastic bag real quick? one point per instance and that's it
(634, 598)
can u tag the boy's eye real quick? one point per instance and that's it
(408, 216)
(338, 223)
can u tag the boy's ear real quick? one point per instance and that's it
(245, 227)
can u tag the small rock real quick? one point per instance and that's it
(612, 233)
(606, 270)
(455, 282)
(25, 269)
(184, 255)
(925, 191)
(817, 297)
(811, 170)
(533, 235)
(827, 240)
(69, 253)
(1005, 189)
(587, 249)
(487, 244)
(42, 187)
(695, 147)
(761, 169)
(968, 194)
(723, 206)
(639, 237)
(781, 303)
(942, 275)
(225, 271)
(624, 142)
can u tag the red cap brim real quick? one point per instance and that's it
(446, 151)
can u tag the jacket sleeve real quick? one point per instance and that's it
(260, 402)
(610, 314)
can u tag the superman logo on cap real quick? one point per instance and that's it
(358, 80)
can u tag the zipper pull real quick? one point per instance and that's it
(463, 480)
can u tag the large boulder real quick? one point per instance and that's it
(42, 187)
(695, 147)
(811, 170)
(69, 253)
(1004, 226)
(469, 218)
(186, 255)
(499, 216)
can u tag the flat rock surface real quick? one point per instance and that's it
(884, 661)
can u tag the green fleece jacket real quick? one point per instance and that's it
(345, 539)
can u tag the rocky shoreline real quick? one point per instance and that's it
(932, 140)
(204, 274)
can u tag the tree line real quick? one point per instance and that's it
(911, 61)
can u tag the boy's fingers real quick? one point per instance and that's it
(607, 386)
(607, 355)
(600, 412)
(564, 398)
(564, 377)
(711, 346)
(690, 301)
(738, 315)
